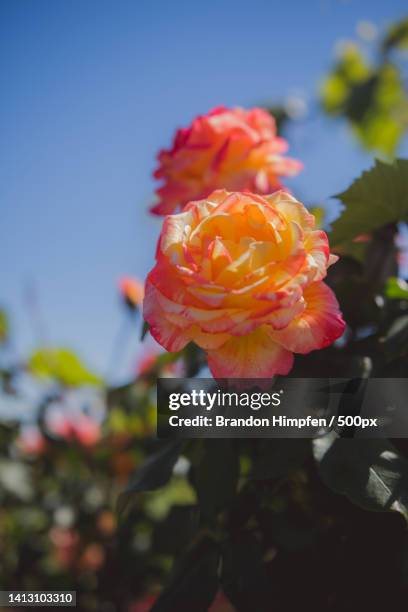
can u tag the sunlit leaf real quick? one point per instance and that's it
(371, 97)
(62, 366)
(319, 214)
(177, 492)
(396, 289)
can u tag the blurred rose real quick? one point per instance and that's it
(31, 441)
(235, 149)
(65, 544)
(106, 523)
(86, 430)
(78, 427)
(93, 557)
(131, 291)
(123, 464)
(241, 276)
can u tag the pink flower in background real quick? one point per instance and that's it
(74, 427)
(31, 441)
(65, 545)
(241, 276)
(132, 291)
(234, 149)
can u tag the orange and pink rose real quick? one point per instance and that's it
(241, 275)
(234, 149)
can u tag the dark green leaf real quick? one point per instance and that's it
(194, 580)
(176, 530)
(396, 338)
(154, 473)
(369, 472)
(145, 329)
(377, 198)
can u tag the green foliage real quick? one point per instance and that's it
(377, 198)
(397, 36)
(61, 366)
(371, 97)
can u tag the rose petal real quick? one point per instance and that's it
(253, 356)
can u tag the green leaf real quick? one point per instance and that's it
(217, 476)
(369, 472)
(145, 329)
(349, 72)
(177, 492)
(397, 36)
(62, 366)
(396, 289)
(279, 113)
(319, 214)
(4, 326)
(378, 115)
(378, 197)
(154, 473)
(194, 580)
(371, 97)
(396, 339)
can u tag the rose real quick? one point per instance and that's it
(233, 149)
(241, 276)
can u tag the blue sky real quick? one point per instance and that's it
(92, 89)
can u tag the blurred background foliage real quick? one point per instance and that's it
(370, 93)
(91, 501)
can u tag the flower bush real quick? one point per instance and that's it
(241, 276)
(232, 149)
